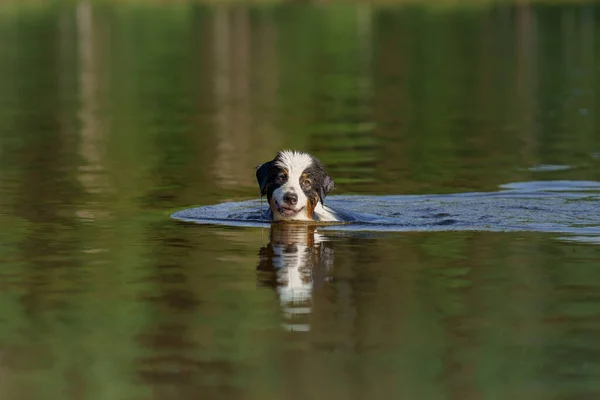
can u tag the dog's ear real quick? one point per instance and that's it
(325, 188)
(262, 176)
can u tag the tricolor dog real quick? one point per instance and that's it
(296, 186)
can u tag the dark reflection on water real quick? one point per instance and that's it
(296, 261)
(114, 116)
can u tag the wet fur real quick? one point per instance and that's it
(284, 175)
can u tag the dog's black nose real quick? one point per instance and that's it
(290, 198)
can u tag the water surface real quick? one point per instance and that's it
(544, 206)
(112, 117)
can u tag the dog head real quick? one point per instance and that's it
(294, 183)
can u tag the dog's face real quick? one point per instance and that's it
(294, 183)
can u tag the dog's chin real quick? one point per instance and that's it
(289, 213)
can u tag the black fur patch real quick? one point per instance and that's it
(321, 182)
(265, 173)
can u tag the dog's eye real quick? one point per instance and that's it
(306, 182)
(281, 178)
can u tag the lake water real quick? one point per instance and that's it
(470, 131)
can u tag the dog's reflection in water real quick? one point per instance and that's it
(296, 261)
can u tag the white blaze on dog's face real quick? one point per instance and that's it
(295, 183)
(289, 200)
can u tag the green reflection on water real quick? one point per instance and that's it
(113, 116)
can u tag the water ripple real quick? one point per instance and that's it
(568, 207)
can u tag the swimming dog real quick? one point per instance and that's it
(296, 186)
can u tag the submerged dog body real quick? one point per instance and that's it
(296, 186)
